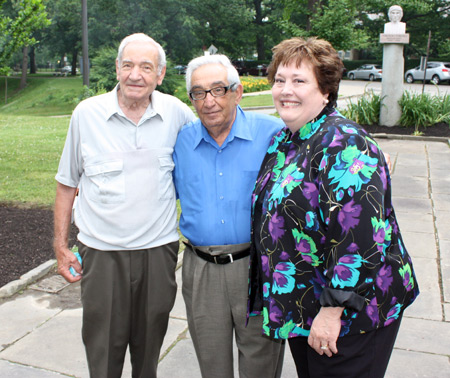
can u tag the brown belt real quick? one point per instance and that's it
(224, 258)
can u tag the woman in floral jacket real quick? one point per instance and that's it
(329, 269)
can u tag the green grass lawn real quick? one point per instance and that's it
(43, 96)
(30, 148)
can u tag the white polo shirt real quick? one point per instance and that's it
(123, 172)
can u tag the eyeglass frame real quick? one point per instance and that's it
(227, 88)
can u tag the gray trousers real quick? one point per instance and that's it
(216, 306)
(127, 297)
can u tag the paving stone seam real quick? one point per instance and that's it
(436, 235)
(35, 367)
(181, 336)
(12, 343)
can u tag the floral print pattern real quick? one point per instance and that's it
(325, 233)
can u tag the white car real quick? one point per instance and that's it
(366, 72)
(436, 73)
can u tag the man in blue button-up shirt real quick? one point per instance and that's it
(217, 159)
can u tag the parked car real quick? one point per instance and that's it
(437, 72)
(366, 72)
(245, 68)
(67, 69)
(180, 69)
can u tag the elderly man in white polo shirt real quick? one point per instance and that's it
(118, 153)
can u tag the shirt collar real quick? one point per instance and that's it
(239, 130)
(155, 107)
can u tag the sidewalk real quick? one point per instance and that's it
(40, 333)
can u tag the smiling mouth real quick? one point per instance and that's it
(289, 103)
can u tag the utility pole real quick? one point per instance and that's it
(426, 61)
(85, 48)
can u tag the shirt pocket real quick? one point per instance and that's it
(106, 181)
(166, 187)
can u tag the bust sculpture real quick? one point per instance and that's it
(395, 26)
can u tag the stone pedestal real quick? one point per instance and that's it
(392, 84)
(392, 81)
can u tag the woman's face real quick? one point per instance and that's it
(296, 94)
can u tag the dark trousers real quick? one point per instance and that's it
(127, 297)
(363, 355)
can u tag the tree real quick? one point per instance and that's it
(351, 24)
(16, 29)
(64, 34)
(266, 14)
(19, 19)
(334, 20)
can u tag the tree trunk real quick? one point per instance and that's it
(260, 45)
(6, 89)
(74, 62)
(23, 78)
(313, 6)
(33, 68)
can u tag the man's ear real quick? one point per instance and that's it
(117, 69)
(239, 92)
(161, 75)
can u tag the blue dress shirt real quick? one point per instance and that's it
(215, 184)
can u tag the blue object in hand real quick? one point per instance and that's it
(74, 273)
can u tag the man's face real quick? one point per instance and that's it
(137, 73)
(216, 113)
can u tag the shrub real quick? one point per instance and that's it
(87, 92)
(366, 111)
(424, 110)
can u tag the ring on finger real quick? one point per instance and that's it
(324, 347)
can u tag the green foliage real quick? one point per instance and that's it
(418, 110)
(103, 70)
(423, 110)
(332, 20)
(366, 111)
(89, 92)
(16, 29)
(181, 93)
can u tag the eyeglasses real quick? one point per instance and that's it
(215, 92)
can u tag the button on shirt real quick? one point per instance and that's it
(215, 183)
(123, 171)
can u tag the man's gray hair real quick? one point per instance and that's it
(232, 74)
(141, 37)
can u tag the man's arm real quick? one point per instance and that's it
(65, 196)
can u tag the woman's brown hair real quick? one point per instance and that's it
(327, 65)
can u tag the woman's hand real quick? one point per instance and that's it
(325, 330)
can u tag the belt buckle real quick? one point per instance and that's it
(224, 255)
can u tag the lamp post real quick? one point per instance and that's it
(85, 49)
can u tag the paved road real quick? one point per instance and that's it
(356, 86)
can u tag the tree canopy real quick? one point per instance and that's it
(242, 29)
(19, 19)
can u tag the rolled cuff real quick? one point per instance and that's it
(340, 298)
